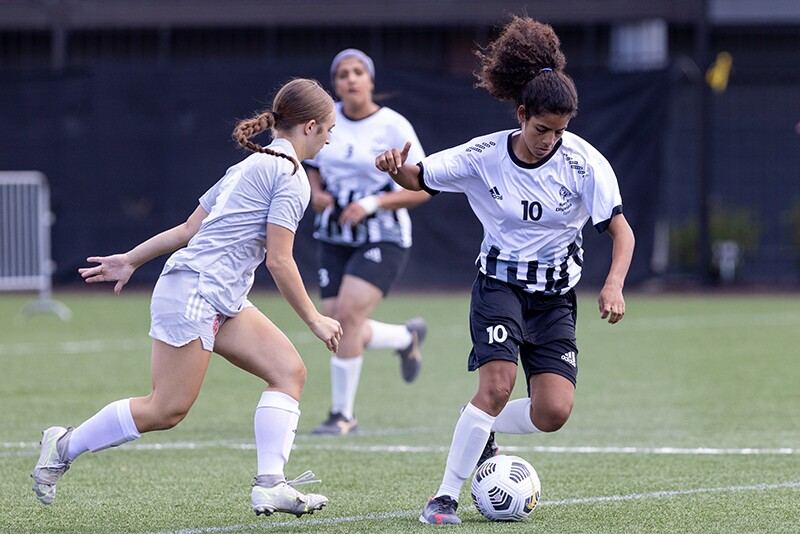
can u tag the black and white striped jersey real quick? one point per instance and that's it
(532, 214)
(348, 169)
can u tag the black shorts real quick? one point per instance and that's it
(380, 264)
(507, 323)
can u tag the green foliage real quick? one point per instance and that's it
(684, 421)
(737, 224)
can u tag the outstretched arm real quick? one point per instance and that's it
(405, 174)
(281, 264)
(394, 200)
(119, 267)
(611, 301)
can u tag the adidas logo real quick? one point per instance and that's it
(495, 193)
(373, 254)
(569, 358)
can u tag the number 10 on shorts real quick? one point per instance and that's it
(497, 333)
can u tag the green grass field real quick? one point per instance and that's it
(687, 419)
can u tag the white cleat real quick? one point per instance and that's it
(285, 498)
(52, 464)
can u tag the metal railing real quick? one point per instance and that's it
(25, 221)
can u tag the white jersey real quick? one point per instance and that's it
(532, 214)
(231, 241)
(348, 170)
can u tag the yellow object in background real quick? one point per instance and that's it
(718, 73)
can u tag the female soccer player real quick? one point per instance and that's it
(533, 188)
(363, 232)
(200, 303)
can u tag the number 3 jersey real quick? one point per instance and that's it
(348, 169)
(532, 213)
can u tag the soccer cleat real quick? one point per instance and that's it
(440, 511)
(337, 425)
(284, 498)
(489, 451)
(411, 356)
(52, 464)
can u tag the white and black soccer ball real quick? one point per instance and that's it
(505, 488)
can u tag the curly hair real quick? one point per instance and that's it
(524, 64)
(297, 102)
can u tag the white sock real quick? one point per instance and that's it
(345, 373)
(388, 336)
(276, 426)
(111, 426)
(515, 418)
(469, 439)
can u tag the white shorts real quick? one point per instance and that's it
(179, 314)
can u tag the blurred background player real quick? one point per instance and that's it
(200, 304)
(533, 189)
(363, 231)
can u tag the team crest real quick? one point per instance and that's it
(565, 205)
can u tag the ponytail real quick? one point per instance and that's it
(297, 102)
(248, 128)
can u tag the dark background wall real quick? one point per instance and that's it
(128, 110)
(128, 150)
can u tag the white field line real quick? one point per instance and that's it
(31, 449)
(307, 443)
(91, 346)
(413, 513)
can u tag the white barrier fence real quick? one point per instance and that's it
(25, 221)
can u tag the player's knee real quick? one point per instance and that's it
(343, 313)
(352, 324)
(169, 418)
(299, 375)
(173, 419)
(291, 380)
(496, 397)
(552, 418)
(156, 412)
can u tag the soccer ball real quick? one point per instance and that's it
(505, 488)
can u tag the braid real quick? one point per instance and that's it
(251, 127)
(298, 102)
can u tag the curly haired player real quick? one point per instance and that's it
(533, 189)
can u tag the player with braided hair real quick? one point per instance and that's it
(200, 304)
(533, 188)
